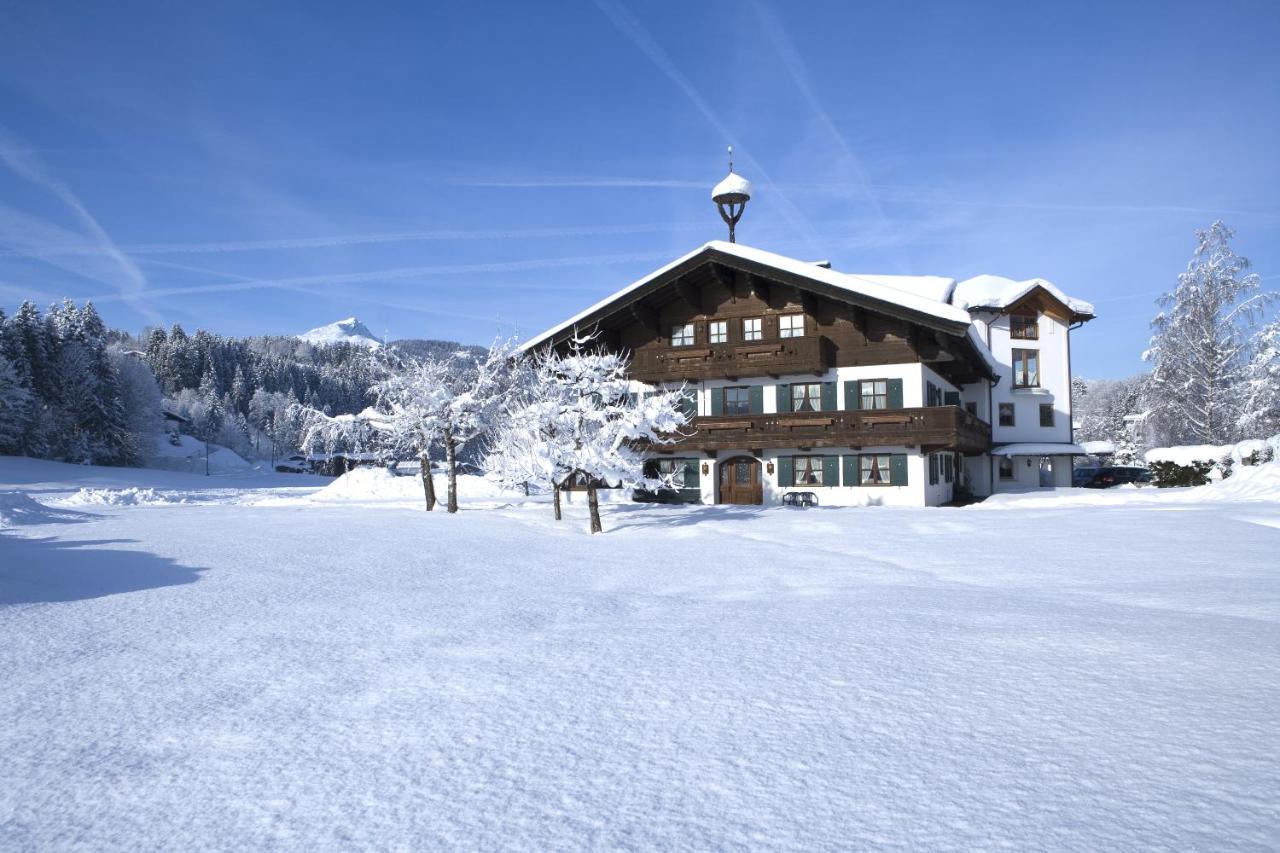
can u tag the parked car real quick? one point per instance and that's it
(1082, 475)
(1119, 476)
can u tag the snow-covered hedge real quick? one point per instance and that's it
(1198, 464)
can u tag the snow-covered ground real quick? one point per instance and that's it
(263, 662)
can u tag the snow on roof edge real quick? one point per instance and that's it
(1040, 448)
(850, 282)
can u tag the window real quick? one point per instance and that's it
(933, 469)
(873, 470)
(682, 336)
(808, 470)
(1026, 368)
(791, 326)
(933, 394)
(971, 408)
(673, 468)
(806, 397)
(751, 329)
(1046, 414)
(1024, 327)
(875, 394)
(718, 332)
(1006, 468)
(1006, 414)
(949, 467)
(737, 401)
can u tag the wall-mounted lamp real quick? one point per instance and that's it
(769, 467)
(706, 469)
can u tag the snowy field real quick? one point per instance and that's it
(255, 663)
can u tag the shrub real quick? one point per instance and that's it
(1170, 474)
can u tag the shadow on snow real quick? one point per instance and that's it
(46, 570)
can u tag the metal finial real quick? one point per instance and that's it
(730, 158)
(731, 196)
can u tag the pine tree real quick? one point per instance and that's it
(1201, 340)
(15, 399)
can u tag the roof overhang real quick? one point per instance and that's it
(1040, 448)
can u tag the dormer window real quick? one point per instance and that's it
(751, 329)
(682, 336)
(791, 326)
(1024, 327)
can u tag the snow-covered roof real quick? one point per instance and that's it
(1098, 448)
(733, 183)
(998, 292)
(1044, 448)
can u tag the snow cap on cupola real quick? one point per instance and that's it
(731, 196)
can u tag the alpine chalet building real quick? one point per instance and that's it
(861, 389)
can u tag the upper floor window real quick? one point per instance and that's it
(1024, 327)
(806, 397)
(933, 394)
(682, 336)
(1046, 414)
(791, 326)
(808, 470)
(1026, 368)
(875, 394)
(737, 401)
(1006, 414)
(718, 332)
(751, 329)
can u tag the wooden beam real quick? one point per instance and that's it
(645, 316)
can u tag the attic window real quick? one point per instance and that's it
(1024, 327)
(751, 329)
(682, 336)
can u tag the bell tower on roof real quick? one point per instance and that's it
(731, 196)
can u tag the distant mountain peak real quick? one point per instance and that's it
(348, 331)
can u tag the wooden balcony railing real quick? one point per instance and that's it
(808, 354)
(931, 428)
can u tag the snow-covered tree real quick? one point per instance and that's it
(1260, 413)
(15, 398)
(1201, 339)
(469, 403)
(410, 402)
(140, 401)
(581, 423)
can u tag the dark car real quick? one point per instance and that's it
(1082, 475)
(1119, 476)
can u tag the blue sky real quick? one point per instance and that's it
(463, 170)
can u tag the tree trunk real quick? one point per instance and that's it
(451, 462)
(428, 484)
(594, 503)
(555, 498)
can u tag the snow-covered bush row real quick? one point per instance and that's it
(1198, 464)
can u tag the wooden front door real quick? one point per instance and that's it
(740, 481)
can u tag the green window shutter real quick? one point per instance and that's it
(952, 398)
(851, 469)
(895, 393)
(784, 398)
(830, 470)
(786, 471)
(717, 402)
(691, 477)
(898, 467)
(852, 396)
(933, 469)
(689, 403)
(651, 468)
(632, 399)
(828, 396)
(755, 399)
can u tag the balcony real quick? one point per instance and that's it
(932, 428)
(809, 354)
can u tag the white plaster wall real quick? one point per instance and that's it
(979, 472)
(1055, 380)
(1026, 470)
(917, 492)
